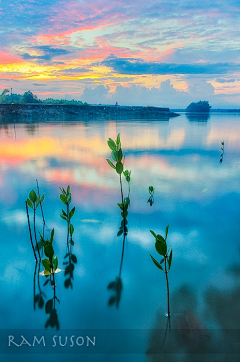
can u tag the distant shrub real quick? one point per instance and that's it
(201, 106)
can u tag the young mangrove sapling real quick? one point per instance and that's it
(163, 250)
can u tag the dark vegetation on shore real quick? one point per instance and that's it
(28, 97)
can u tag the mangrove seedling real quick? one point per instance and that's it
(33, 202)
(163, 250)
(66, 198)
(151, 192)
(51, 263)
(117, 156)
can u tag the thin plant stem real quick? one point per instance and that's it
(68, 223)
(30, 233)
(34, 226)
(40, 203)
(124, 220)
(166, 274)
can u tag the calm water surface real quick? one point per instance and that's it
(195, 194)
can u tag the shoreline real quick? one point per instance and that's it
(99, 111)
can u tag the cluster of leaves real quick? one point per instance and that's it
(151, 192)
(127, 175)
(66, 198)
(124, 207)
(162, 249)
(116, 154)
(50, 265)
(33, 201)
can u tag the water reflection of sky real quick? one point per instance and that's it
(195, 194)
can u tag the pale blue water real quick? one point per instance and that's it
(195, 194)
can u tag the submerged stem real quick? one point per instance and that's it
(166, 274)
(35, 234)
(124, 219)
(30, 233)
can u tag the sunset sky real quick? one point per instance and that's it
(162, 53)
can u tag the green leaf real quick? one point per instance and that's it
(161, 247)
(55, 263)
(63, 191)
(111, 164)
(120, 205)
(160, 238)
(69, 198)
(119, 155)
(63, 199)
(170, 260)
(120, 232)
(37, 202)
(33, 196)
(112, 144)
(153, 233)
(166, 233)
(114, 156)
(64, 217)
(119, 167)
(71, 213)
(125, 214)
(155, 262)
(46, 265)
(118, 139)
(64, 213)
(68, 189)
(127, 178)
(127, 200)
(48, 251)
(52, 235)
(42, 198)
(71, 229)
(29, 203)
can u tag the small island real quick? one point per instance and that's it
(199, 107)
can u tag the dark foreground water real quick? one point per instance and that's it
(197, 193)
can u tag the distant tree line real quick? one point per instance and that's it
(201, 106)
(28, 97)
